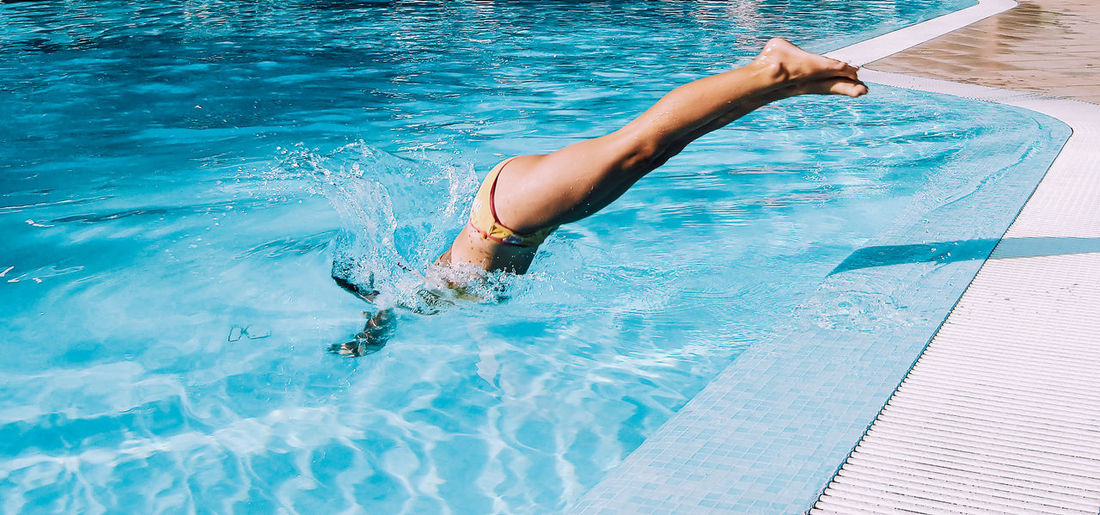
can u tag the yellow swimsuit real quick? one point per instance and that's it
(483, 216)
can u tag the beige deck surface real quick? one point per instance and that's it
(1047, 46)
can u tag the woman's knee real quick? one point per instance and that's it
(643, 152)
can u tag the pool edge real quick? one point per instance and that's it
(599, 500)
(1047, 246)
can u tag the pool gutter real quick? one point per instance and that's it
(1007, 381)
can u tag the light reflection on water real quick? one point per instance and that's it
(177, 180)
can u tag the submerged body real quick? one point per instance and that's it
(525, 198)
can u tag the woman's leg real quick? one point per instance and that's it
(539, 191)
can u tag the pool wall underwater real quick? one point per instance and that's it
(768, 434)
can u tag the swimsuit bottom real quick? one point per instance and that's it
(483, 216)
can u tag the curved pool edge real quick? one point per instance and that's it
(1026, 320)
(704, 460)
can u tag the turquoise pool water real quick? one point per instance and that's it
(176, 181)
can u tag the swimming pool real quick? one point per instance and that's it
(178, 180)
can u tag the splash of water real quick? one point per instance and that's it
(398, 215)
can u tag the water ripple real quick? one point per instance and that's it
(176, 173)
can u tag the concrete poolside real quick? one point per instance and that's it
(1001, 412)
(1047, 47)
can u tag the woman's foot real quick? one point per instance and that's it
(798, 72)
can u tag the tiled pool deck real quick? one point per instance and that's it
(1001, 412)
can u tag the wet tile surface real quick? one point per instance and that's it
(1047, 47)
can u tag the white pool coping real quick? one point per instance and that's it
(1001, 413)
(879, 47)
